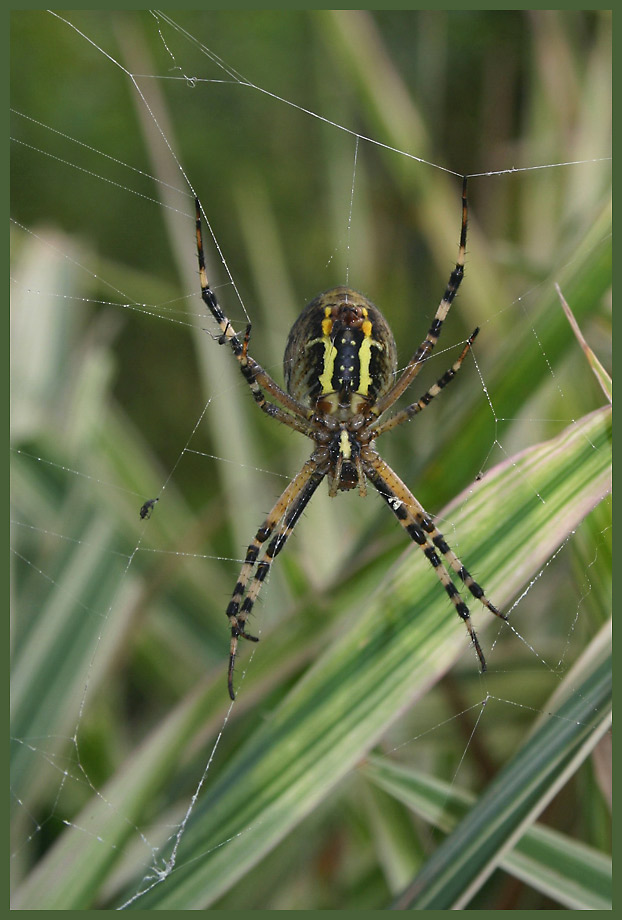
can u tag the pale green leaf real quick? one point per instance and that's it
(517, 795)
(577, 876)
(404, 639)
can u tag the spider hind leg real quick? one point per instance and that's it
(279, 524)
(420, 528)
(461, 571)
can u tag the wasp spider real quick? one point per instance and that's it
(340, 368)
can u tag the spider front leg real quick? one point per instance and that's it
(461, 571)
(410, 411)
(423, 352)
(254, 375)
(419, 527)
(279, 524)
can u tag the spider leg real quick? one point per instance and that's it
(414, 365)
(419, 527)
(255, 376)
(443, 547)
(410, 411)
(278, 524)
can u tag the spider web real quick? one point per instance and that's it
(121, 720)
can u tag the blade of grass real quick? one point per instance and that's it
(516, 796)
(393, 652)
(396, 647)
(403, 640)
(55, 657)
(577, 876)
(599, 371)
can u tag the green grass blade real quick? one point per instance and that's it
(600, 372)
(49, 660)
(396, 647)
(518, 793)
(575, 875)
(402, 642)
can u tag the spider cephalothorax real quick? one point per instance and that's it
(340, 369)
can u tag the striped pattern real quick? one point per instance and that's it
(410, 411)
(422, 531)
(279, 524)
(340, 353)
(255, 376)
(423, 352)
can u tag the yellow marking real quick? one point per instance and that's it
(325, 379)
(364, 360)
(365, 379)
(443, 310)
(327, 323)
(330, 352)
(328, 365)
(344, 444)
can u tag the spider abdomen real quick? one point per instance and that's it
(340, 354)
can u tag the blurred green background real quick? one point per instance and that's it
(119, 392)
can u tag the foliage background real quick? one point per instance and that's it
(115, 393)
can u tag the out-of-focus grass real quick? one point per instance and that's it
(106, 398)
